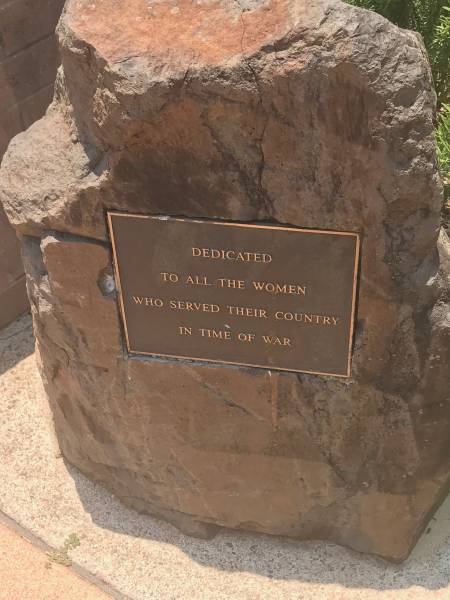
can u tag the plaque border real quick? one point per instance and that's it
(111, 214)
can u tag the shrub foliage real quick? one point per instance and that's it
(443, 141)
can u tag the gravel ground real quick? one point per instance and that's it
(147, 559)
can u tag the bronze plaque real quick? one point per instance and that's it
(255, 295)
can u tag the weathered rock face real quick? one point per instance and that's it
(315, 114)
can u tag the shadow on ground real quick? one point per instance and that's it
(278, 558)
(16, 342)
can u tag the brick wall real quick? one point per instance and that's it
(28, 63)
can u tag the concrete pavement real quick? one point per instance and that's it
(27, 573)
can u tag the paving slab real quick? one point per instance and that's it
(27, 573)
(146, 559)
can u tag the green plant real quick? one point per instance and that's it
(439, 50)
(61, 555)
(443, 138)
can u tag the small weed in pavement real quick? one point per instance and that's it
(61, 556)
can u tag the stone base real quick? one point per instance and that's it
(205, 446)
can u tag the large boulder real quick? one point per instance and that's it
(314, 114)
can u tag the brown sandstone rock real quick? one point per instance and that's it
(315, 114)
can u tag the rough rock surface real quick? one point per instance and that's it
(314, 114)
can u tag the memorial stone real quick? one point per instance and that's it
(230, 222)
